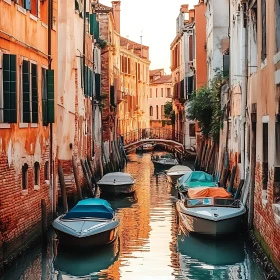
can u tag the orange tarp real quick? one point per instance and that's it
(208, 192)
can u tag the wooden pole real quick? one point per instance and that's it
(79, 191)
(63, 189)
(87, 178)
(44, 217)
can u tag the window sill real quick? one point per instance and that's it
(8, 2)
(33, 17)
(276, 210)
(21, 9)
(36, 187)
(5, 125)
(264, 197)
(24, 192)
(47, 182)
(33, 125)
(23, 125)
(276, 58)
(44, 25)
(263, 63)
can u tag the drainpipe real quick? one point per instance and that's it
(244, 93)
(50, 7)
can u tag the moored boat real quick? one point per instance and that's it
(146, 147)
(92, 222)
(175, 172)
(164, 161)
(211, 211)
(116, 183)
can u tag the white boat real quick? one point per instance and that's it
(92, 222)
(175, 172)
(164, 161)
(146, 147)
(116, 183)
(211, 211)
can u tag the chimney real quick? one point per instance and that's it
(116, 12)
(184, 8)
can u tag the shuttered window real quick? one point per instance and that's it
(8, 97)
(112, 95)
(29, 92)
(94, 26)
(263, 11)
(88, 82)
(98, 86)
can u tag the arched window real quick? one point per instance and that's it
(157, 111)
(24, 176)
(36, 173)
(151, 111)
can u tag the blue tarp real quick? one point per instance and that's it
(91, 207)
(196, 179)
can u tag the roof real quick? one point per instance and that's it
(125, 42)
(100, 7)
(162, 80)
(91, 207)
(155, 72)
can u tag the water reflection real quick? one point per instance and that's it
(151, 244)
(85, 264)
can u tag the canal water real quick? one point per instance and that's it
(151, 243)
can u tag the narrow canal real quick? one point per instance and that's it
(151, 243)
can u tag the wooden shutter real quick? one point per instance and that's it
(25, 91)
(86, 80)
(50, 88)
(44, 97)
(89, 82)
(94, 26)
(112, 95)
(34, 88)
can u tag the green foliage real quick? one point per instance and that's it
(102, 43)
(169, 112)
(205, 107)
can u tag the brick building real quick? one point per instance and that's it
(28, 78)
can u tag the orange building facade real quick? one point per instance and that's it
(28, 78)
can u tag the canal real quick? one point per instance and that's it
(151, 243)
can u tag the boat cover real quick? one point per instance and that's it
(196, 179)
(116, 178)
(91, 208)
(208, 192)
(179, 168)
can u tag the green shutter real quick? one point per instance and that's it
(44, 97)
(86, 80)
(94, 26)
(34, 93)
(98, 86)
(50, 90)
(9, 88)
(90, 82)
(26, 91)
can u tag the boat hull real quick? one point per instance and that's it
(163, 165)
(203, 226)
(108, 189)
(173, 178)
(95, 240)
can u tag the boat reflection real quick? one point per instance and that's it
(219, 251)
(86, 263)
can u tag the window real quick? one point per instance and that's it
(192, 130)
(162, 111)
(151, 93)
(46, 171)
(36, 173)
(157, 111)
(263, 11)
(151, 111)
(161, 92)
(277, 24)
(24, 176)
(265, 155)
(29, 96)
(8, 96)
(168, 92)
(156, 93)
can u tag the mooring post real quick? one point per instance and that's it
(63, 189)
(79, 191)
(44, 217)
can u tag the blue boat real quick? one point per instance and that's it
(92, 222)
(195, 179)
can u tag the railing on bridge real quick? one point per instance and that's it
(153, 133)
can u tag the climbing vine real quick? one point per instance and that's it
(205, 107)
(169, 112)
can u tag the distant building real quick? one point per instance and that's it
(161, 91)
(133, 94)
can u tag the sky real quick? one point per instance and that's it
(156, 21)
